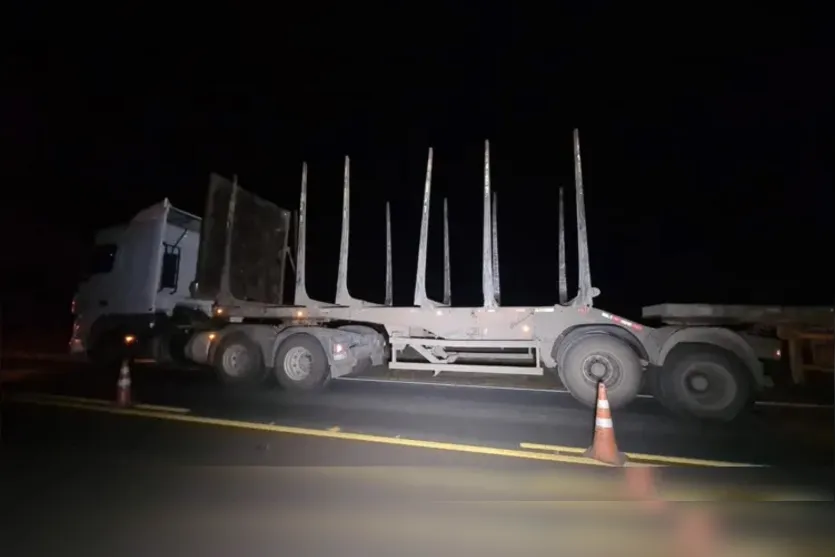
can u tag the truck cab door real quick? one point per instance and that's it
(138, 263)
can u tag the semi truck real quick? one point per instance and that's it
(805, 334)
(175, 287)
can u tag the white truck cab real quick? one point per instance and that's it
(137, 279)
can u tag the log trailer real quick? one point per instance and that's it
(211, 291)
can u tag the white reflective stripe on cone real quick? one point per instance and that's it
(603, 422)
(602, 403)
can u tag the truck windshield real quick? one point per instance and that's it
(101, 259)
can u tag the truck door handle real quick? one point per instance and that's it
(103, 303)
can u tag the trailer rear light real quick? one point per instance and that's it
(130, 339)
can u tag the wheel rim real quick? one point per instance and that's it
(602, 367)
(235, 360)
(297, 363)
(708, 386)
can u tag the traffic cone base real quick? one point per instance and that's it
(604, 448)
(605, 456)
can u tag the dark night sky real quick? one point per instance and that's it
(708, 171)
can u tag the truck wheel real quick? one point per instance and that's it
(704, 382)
(604, 358)
(301, 363)
(656, 388)
(238, 361)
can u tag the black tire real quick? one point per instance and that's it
(311, 375)
(656, 389)
(729, 390)
(238, 361)
(622, 372)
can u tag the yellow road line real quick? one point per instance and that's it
(574, 455)
(662, 459)
(321, 433)
(157, 408)
(28, 397)
(683, 493)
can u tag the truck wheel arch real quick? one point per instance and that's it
(719, 337)
(358, 325)
(552, 357)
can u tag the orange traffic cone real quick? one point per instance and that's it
(604, 448)
(123, 385)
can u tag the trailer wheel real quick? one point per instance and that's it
(704, 382)
(238, 361)
(301, 363)
(596, 358)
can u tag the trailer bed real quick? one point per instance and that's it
(713, 314)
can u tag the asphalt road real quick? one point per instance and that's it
(82, 478)
(790, 437)
(371, 468)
